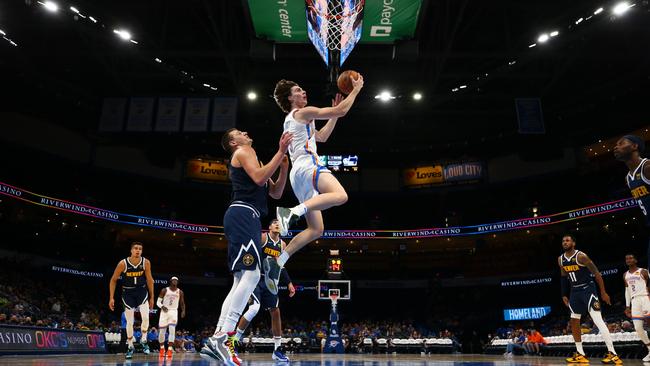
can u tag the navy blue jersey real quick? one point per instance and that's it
(271, 248)
(133, 275)
(640, 188)
(244, 189)
(579, 275)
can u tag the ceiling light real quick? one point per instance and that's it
(463, 86)
(417, 96)
(384, 96)
(621, 8)
(92, 19)
(598, 11)
(579, 21)
(51, 6)
(3, 32)
(124, 34)
(74, 10)
(251, 95)
(554, 33)
(532, 45)
(542, 38)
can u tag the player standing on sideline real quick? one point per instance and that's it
(637, 295)
(251, 182)
(168, 301)
(628, 149)
(272, 247)
(137, 288)
(315, 190)
(580, 296)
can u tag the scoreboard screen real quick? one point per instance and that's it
(341, 163)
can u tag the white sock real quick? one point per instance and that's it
(597, 317)
(240, 333)
(129, 342)
(299, 210)
(277, 342)
(246, 285)
(579, 348)
(283, 258)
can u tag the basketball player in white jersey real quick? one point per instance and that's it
(137, 292)
(637, 298)
(314, 186)
(168, 301)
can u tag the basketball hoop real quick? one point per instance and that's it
(338, 19)
(334, 295)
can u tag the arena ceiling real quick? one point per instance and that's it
(592, 78)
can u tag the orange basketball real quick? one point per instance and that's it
(344, 81)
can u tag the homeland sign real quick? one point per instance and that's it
(20, 340)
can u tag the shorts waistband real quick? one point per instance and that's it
(245, 204)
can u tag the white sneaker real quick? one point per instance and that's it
(646, 358)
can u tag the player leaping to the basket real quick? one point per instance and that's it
(313, 185)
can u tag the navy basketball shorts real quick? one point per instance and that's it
(584, 299)
(243, 230)
(264, 297)
(133, 297)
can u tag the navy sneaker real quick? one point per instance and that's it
(278, 355)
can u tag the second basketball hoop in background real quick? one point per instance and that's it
(344, 81)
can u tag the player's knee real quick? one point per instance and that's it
(341, 197)
(316, 232)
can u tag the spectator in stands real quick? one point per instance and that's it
(517, 342)
(534, 342)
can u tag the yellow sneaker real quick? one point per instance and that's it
(612, 359)
(577, 358)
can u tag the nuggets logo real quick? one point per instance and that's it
(248, 260)
(596, 305)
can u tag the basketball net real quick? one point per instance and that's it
(338, 20)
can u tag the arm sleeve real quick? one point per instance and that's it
(284, 276)
(564, 282)
(159, 302)
(628, 297)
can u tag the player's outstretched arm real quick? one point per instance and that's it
(121, 267)
(584, 260)
(247, 158)
(276, 188)
(324, 133)
(305, 115)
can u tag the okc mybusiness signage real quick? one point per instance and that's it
(17, 340)
(526, 313)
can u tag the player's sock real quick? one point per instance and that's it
(240, 333)
(277, 342)
(299, 210)
(579, 348)
(129, 342)
(283, 258)
(597, 317)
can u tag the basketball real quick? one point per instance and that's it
(344, 81)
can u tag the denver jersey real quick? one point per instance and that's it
(272, 248)
(133, 275)
(579, 275)
(640, 188)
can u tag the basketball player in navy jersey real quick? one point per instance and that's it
(137, 292)
(262, 297)
(628, 149)
(580, 296)
(251, 182)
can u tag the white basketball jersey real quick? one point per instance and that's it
(171, 299)
(636, 283)
(303, 145)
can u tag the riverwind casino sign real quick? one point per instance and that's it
(446, 232)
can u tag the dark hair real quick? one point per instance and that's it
(573, 238)
(281, 94)
(136, 243)
(272, 221)
(640, 144)
(226, 138)
(633, 256)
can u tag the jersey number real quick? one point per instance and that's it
(632, 287)
(642, 207)
(573, 277)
